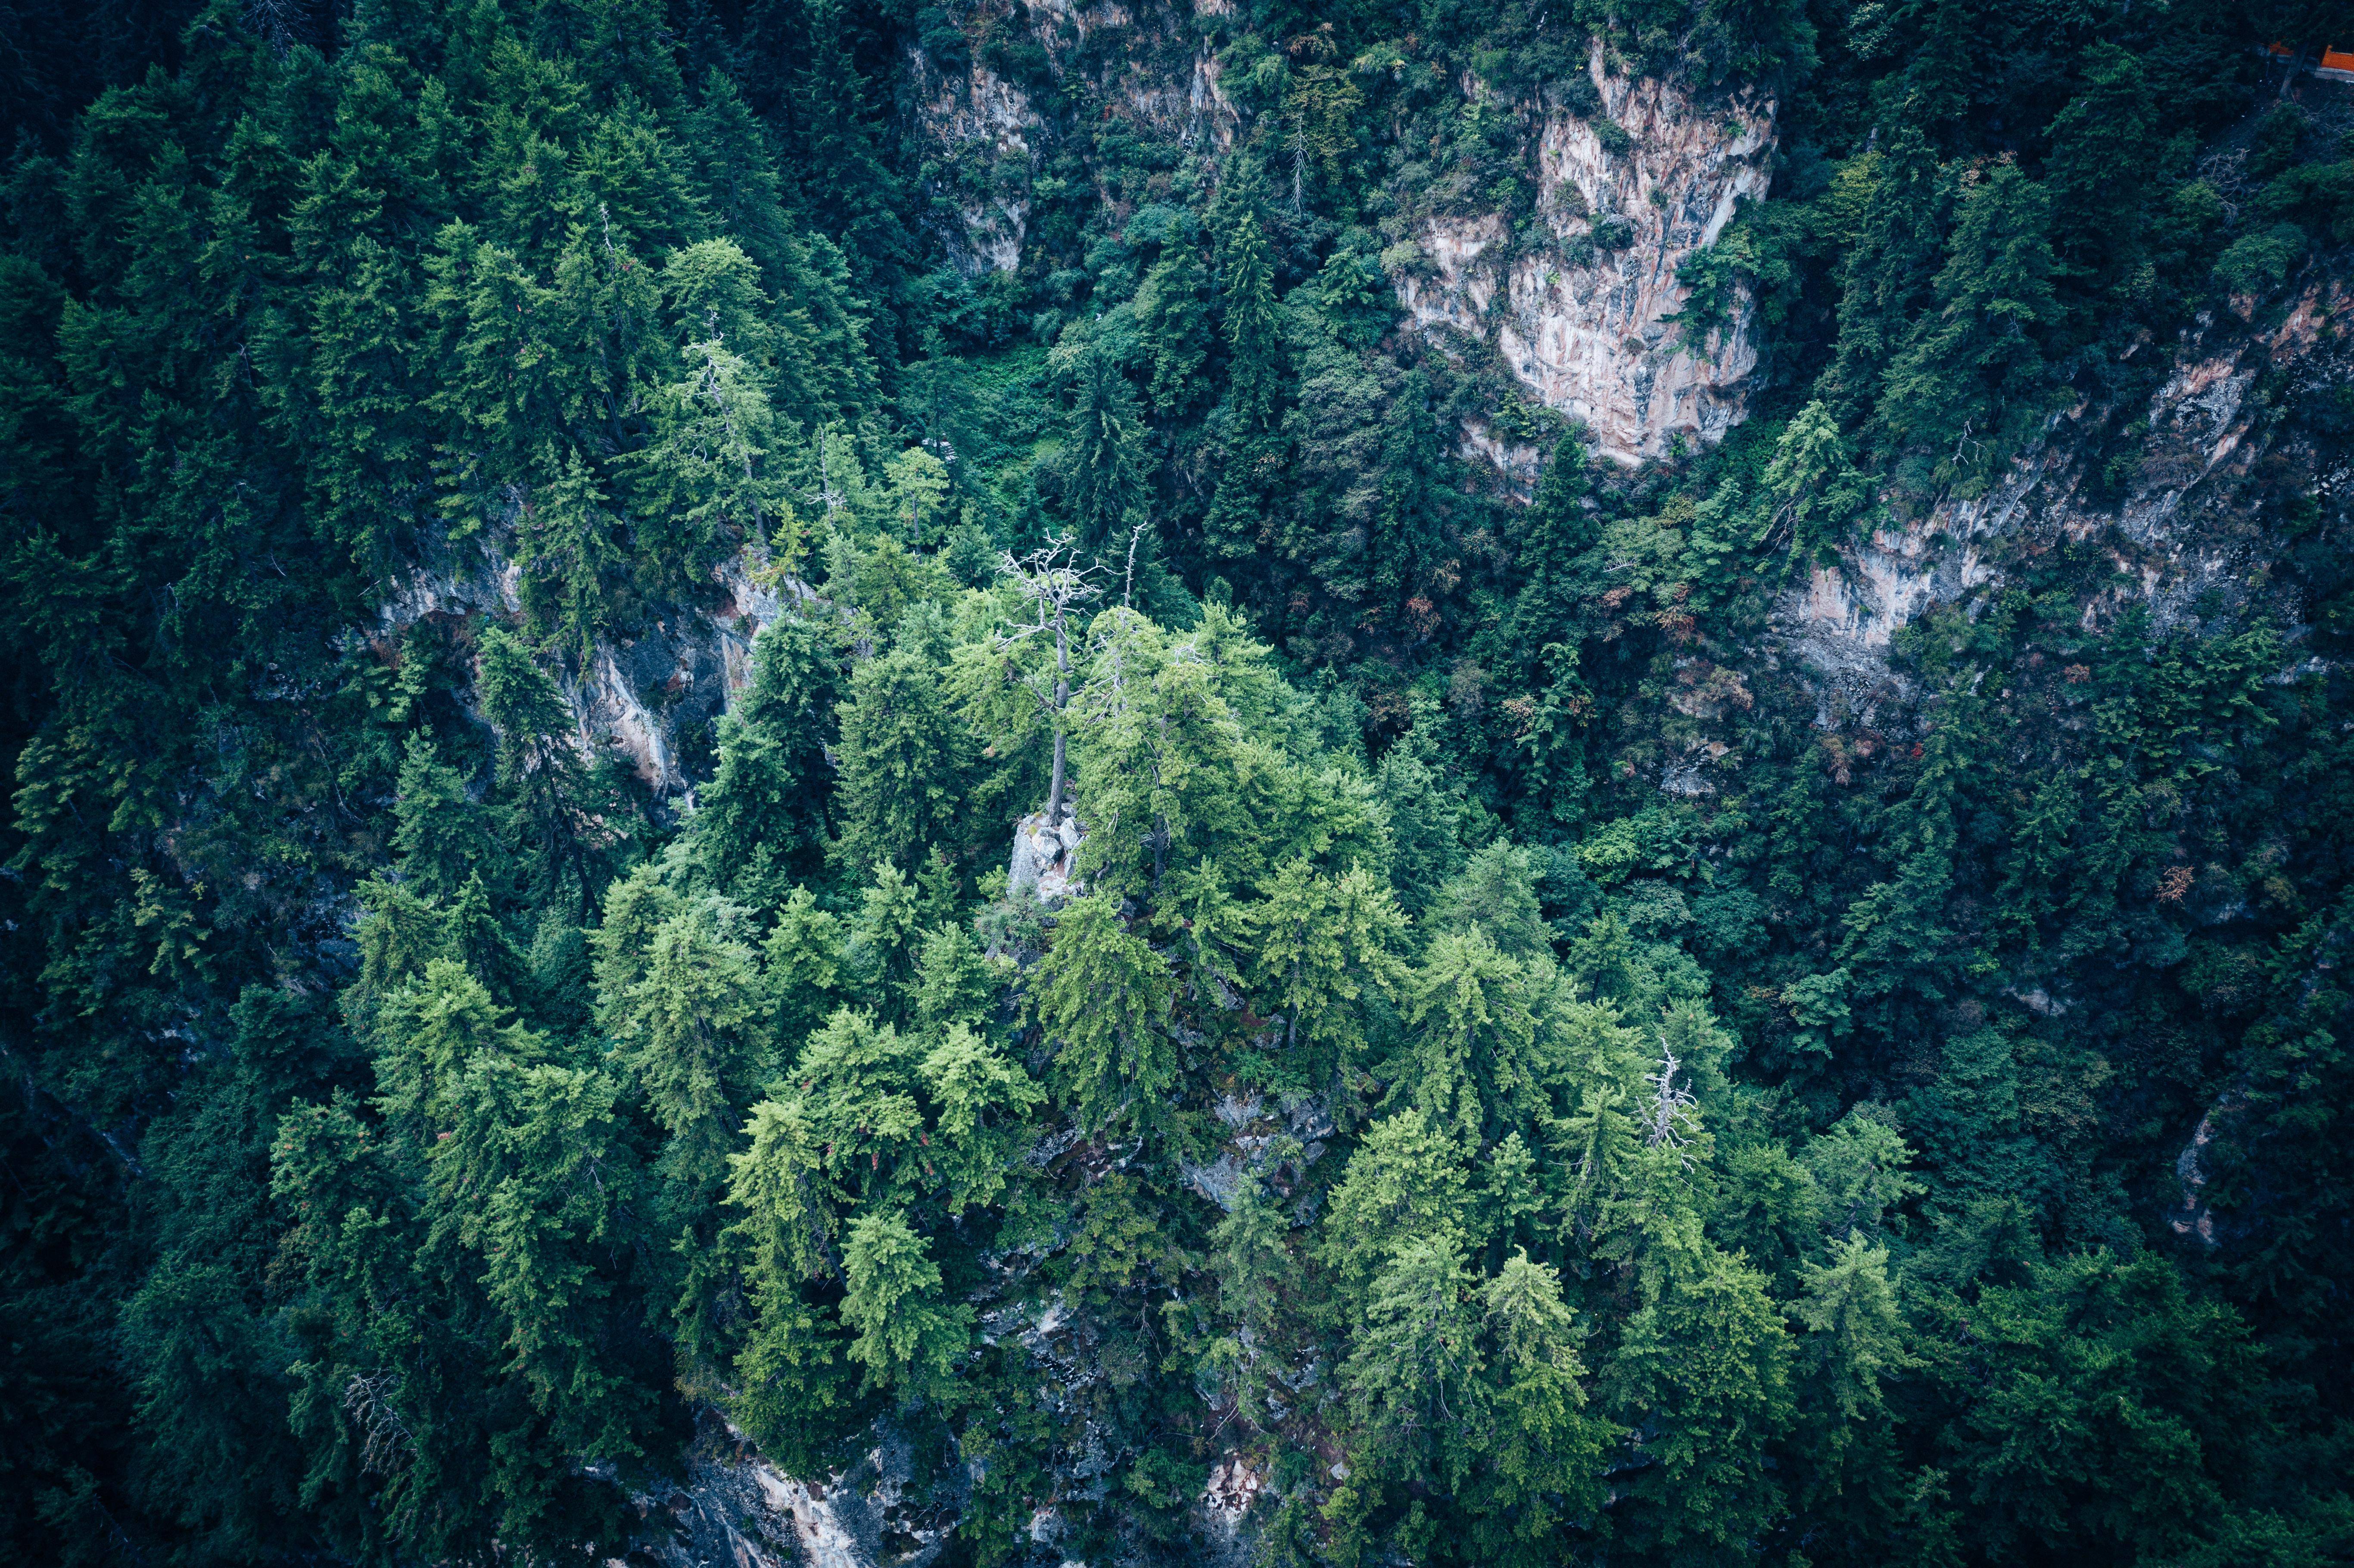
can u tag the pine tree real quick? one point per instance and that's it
(981, 1125)
(431, 1029)
(1323, 950)
(1405, 1181)
(567, 821)
(708, 482)
(1710, 1419)
(1814, 488)
(1855, 1335)
(569, 555)
(1533, 1458)
(1977, 363)
(1889, 272)
(1105, 480)
(1173, 310)
(1424, 849)
(1101, 995)
(954, 983)
(1252, 1263)
(1560, 525)
(1254, 330)
(1470, 1069)
(793, 1374)
(1497, 891)
(476, 938)
(443, 834)
(885, 938)
(762, 817)
(1410, 518)
(2103, 172)
(907, 1336)
(1252, 407)
(688, 1035)
(800, 967)
(1411, 1376)
(832, 147)
(902, 756)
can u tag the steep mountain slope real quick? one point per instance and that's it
(1149, 783)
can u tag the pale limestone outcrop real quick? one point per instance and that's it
(982, 116)
(1149, 87)
(736, 1507)
(1589, 330)
(2180, 530)
(989, 124)
(1044, 858)
(2178, 507)
(689, 661)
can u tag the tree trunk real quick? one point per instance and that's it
(1055, 791)
(1062, 700)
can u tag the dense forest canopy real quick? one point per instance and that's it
(1479, 1044)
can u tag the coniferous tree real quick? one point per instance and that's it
(1889, 273)
(1253, 328)
(1251, 405)
(761, 817)
(688, 1032)
(1978, 361)
(565, 821)
(1173, 319)
(2103, 172)
(1100, 993)
(907, 1336)
(444, 835)
(1106, 481)
(1411, 1377)
(1409, 520)
(1534, 1451)
(903, 750)
(1684, 1119)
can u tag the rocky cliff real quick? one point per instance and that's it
(635, 698)
(2178, 489)
(2185, 493)
(1584, 318)
(986, 134)
(732, 1508)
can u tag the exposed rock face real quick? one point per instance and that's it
(1044, 858)
(635, 698)
(1584, 326)
(1271, 1146)
(1590, 336)
(736, 1508)
(988, 124)
(1583, 319)
(2186, 527)
(1165, 81)
(2193, 1217)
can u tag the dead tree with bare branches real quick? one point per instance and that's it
(1057, 587)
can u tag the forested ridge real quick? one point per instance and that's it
(1421, 1009)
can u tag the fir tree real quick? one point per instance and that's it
(1100, 993)
(1889, 272)
(444, 835)
(1105, 483)
(761, 817)
(1978, 360)
(566, 822)
(902, 752)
